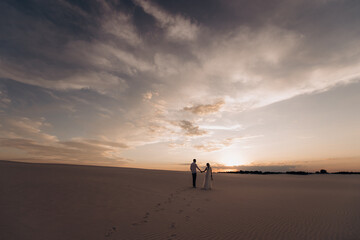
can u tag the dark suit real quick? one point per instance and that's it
(194, 179)
(193, 168)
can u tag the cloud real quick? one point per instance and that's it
(190, 129)
(107, 143)
(215, 145)
(310, 165)
(177, 27)
(205, 109)
(28, 136)
(120, 25)
(5, 101)
(220, 144)
(68, 151)
(332, 164)
(105, 63)
(123, 70)
(235, 127)
(177, 145)
(217, 167)
(25, 127)
(91, 145)
(248, 65)
(264, 168)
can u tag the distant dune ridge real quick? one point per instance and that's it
(45, 201)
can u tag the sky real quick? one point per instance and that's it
(251, 85)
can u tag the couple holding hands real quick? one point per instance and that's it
(208, 176)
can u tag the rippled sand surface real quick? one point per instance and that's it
(43, 201)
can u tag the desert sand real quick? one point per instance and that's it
(45, 201)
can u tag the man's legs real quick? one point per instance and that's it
(194, 180)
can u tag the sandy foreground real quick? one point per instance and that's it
(44, 201)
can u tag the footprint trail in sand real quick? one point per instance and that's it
(182, 203)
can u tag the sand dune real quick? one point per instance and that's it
(43, 201)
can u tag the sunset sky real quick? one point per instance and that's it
(252, 85)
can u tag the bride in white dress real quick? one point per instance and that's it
(208, 177)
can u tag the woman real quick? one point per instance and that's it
(208, 177)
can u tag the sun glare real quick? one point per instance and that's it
(231, 160)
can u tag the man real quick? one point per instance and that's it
(193, 168)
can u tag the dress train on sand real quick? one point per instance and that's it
(207, 180)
